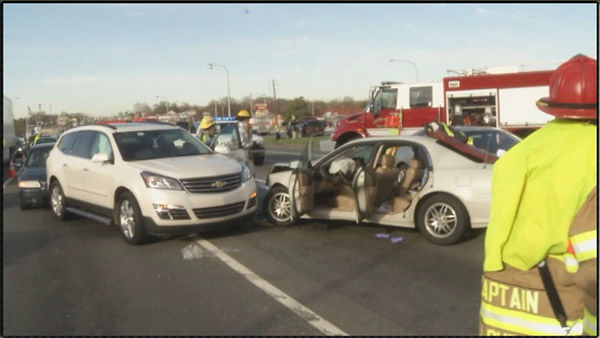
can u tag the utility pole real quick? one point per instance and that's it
(274, 91)
(251, 106)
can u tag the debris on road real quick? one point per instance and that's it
(396, 239)
(382, 235)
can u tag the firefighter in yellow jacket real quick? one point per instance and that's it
(209, 130)
(533, 284)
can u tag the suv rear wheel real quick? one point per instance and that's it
(129, 218)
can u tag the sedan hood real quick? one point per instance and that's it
(33, 174)
(190, 166)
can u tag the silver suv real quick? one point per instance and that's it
(147, 178)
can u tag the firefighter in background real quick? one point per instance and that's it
(245, 128)
(537, 274)
(209, 130)
(36, 138)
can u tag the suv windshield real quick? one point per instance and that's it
(152, 144)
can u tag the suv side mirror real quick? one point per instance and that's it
(100, 158)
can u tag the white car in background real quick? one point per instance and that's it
(147, 178)
(228, 143)
(403, 181)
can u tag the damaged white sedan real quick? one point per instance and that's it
(436, 184)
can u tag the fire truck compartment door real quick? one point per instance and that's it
(517, 106)
(471, 93)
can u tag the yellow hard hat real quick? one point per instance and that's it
(207, 122)
(243, 113)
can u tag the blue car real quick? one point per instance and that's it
(32, 178)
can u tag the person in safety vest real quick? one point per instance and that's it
(209, 130)
(36, 138)
(245, 128)
(539, 273)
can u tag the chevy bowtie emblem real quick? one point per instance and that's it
(218, 184)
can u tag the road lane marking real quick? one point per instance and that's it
(7, 182)
(302, 311)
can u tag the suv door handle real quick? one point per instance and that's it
(85, 169)
(65, 165)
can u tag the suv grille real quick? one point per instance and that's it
(179, 214)
(212, 184)
(223, 210)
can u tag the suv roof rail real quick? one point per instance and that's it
(93, 124)
(104, 124)
(158, 122)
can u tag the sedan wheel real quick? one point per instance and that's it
(442, 219)
(279, 207)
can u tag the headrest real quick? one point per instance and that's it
(416, 164)
(387, 161)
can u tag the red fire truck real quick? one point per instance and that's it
(503, 100)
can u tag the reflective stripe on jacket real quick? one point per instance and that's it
(514, 302)
(584, 246)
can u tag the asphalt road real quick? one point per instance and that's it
(79, 278)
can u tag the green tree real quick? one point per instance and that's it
(298, 107)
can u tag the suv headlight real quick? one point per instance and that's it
(246, 174)
(160, 182)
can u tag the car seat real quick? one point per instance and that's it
(414, 173)
(386, 176)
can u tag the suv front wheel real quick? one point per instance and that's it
(57, 201)
(130, 220)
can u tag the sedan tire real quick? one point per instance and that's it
(278, 207)
(130, 221)
(442, 219)
(24, 205)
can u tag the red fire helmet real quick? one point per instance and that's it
(573, 90)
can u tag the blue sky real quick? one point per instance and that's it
(102, 58)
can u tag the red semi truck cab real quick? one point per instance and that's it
(503, 100)
(393, 105)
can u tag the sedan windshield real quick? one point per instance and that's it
(37, 157)
(152, 144)
(492, 140)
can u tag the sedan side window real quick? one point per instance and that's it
(345, 163)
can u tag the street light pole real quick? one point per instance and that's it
(211, 66)
(407, 61)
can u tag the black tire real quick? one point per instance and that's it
(443, 219)
(277, 196)
(58, 202)
(24, 205)
(128, 211)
